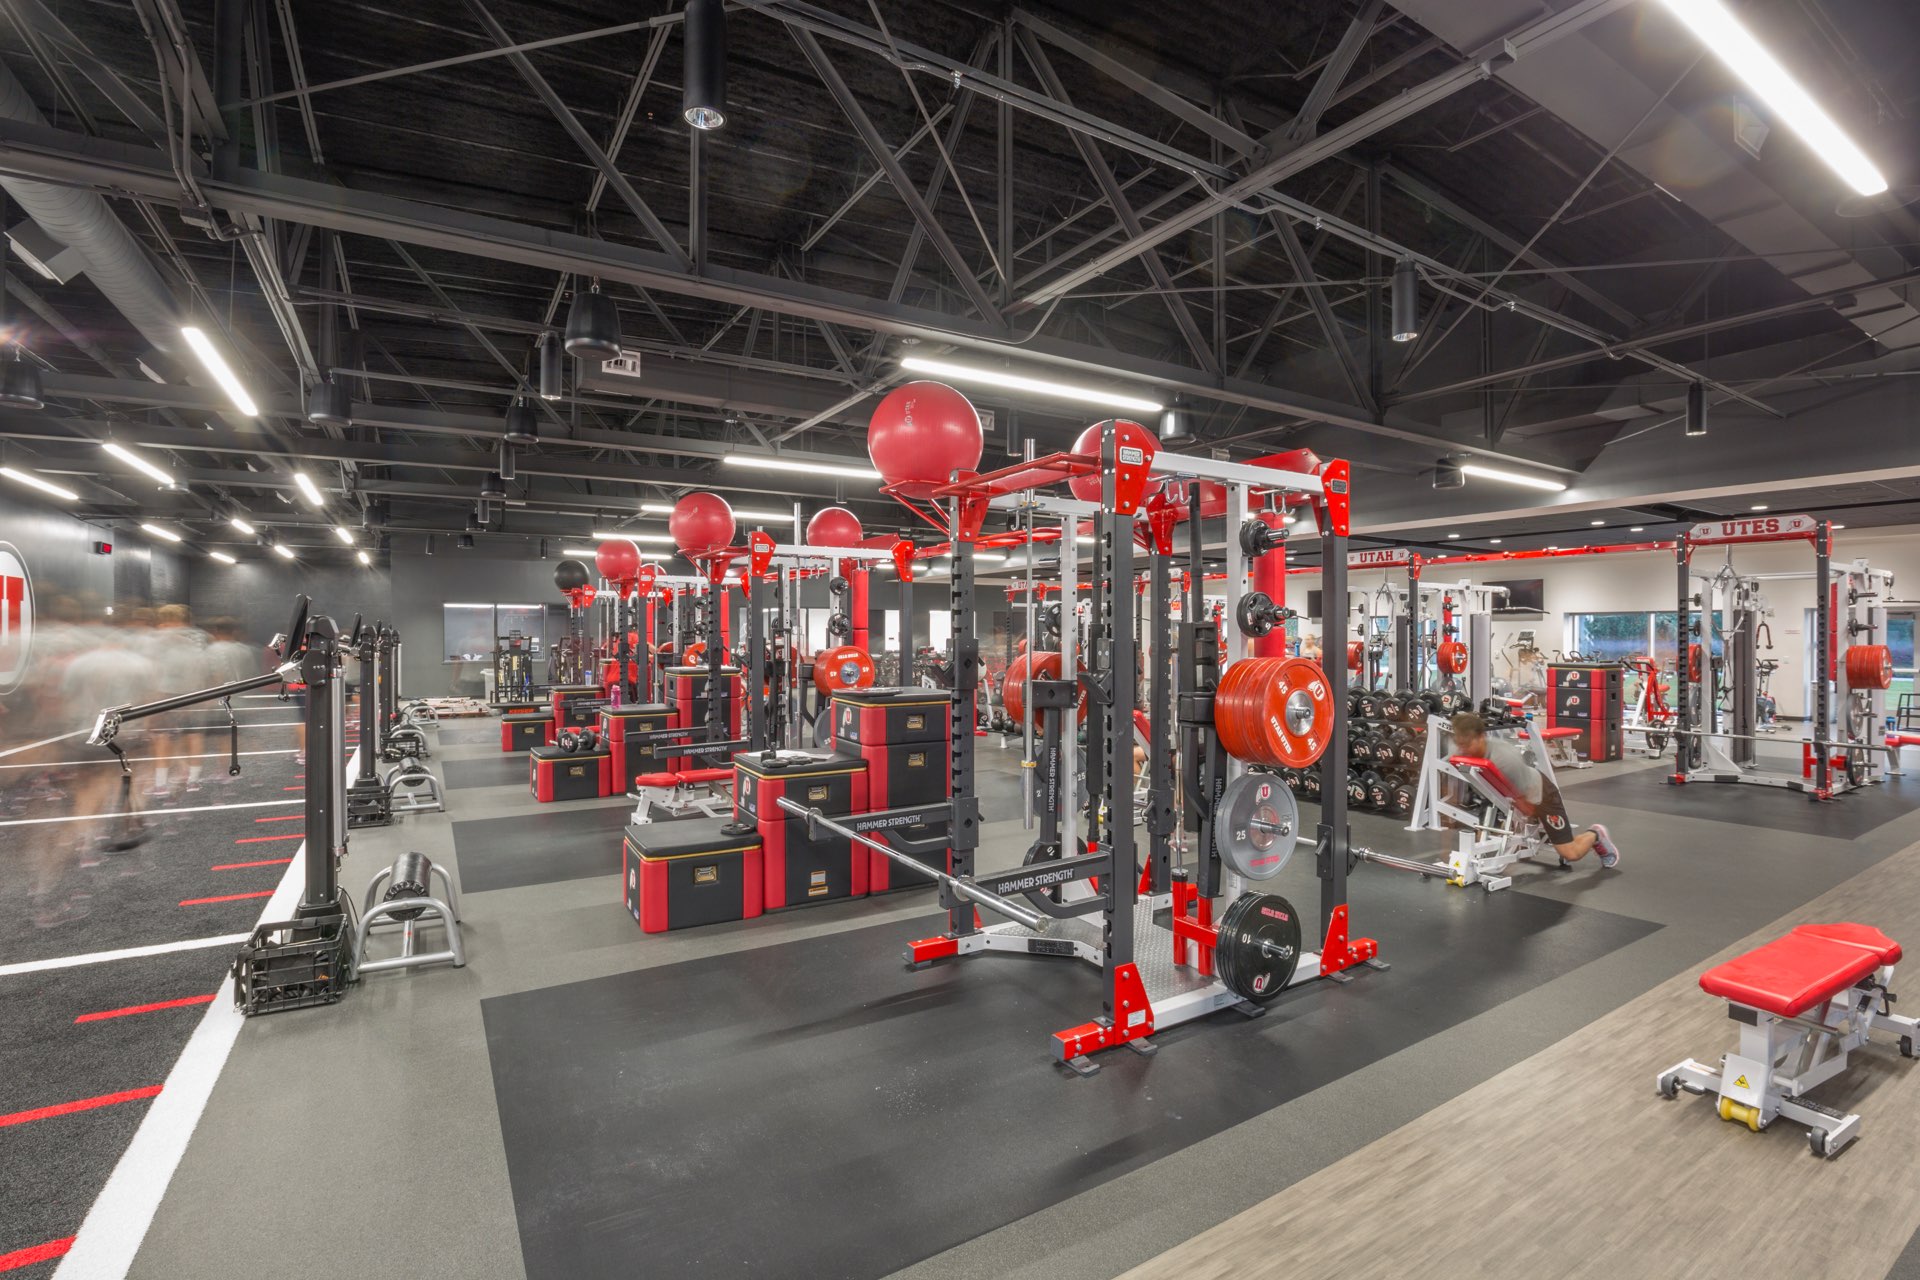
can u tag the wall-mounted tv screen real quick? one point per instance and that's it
(1525, 596)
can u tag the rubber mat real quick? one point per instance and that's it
(816, 1109)
(489, 771)
(1846, 818)
(561, 843)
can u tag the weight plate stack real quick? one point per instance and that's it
(1259, 946)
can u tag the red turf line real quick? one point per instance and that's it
(225, 897)
(80, 1104)
(144, 1008)
(264, 862)
(268, 839)
(35, 1253)
(293, 788)
(289, 817)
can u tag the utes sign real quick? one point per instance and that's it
(16, 618)
(1757, 529)
(1384, 558)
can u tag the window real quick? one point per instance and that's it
(1608, 637)
(469, 633)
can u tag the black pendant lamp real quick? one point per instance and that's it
(329, 405)
(593, 326)
(1176, 423)
(703, 100)
(509, 462)
(553, 381)
(466, 542)
(523, 424)
(493, 487)
(1406, 301)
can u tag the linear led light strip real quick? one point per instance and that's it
(1716, 27)
(309, 490)
(216, 364)
(156, 531)
(764, 463)
(664, 509)
(1038, 386)
(137, 462)
(35, 482)
(1512, 477)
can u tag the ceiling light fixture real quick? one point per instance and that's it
(329, 405)
(666, 509)
(282, 550)
(363, 557)
(242, 526)
(523, 424)
(1639, 528)
(764, 463)
(1176, 423)
(703, 100)
(343, 533)
(1038, 386)
(657, 538)
(216, 364)
(20, 382)
(137, 462)
(1716, 27)
(1495, 541)
(1596, 523)
(309, 490)
(1406, 301)
(157, 532)
(576, 553)
(222, 557)
(1696, 415)
(593, 325)
(1511, 477)
(35, 482)
(1758, 506)
(553, 374)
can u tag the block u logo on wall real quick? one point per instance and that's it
(16, 618)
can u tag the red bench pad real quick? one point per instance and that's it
(692, 776)
(684, 778)
(1790, 975)
(657, 780)
(1561, 731)
(1859, 935)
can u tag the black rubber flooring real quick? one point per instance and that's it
(1742, 804)
(815, 1109)
(564, 842)
(489, 771)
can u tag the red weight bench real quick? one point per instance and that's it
(1804, 1002)
(708, 792)
(1559, 740)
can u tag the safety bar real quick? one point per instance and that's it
(959, 887)
(110, 719)
(1782, 739)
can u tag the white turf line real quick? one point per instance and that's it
(126, 953)
(203, 755)
(105, 1245)
(150, 813)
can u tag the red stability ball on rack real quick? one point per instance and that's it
(1127, 435)
(617, 561)
(834, 527)
(920, 435)
(701, 522)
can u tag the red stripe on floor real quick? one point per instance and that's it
(269, 839)
(225, 897)
(293, 788)
(80, 1104)
(144, 1008)
(285, 817)
(264, 862)
(35, 1253)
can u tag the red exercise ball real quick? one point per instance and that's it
(617, 561)
(920, 435)
(700, 523)
(833, 527)
(1126, 435)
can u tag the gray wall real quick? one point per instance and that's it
(259, 592)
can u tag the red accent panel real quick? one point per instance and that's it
(925, 949)
(1339, 952)
(225, 897)
(35, 1253)
(79, 1104)
(653, 896)
(181, 1003)
(773, 862)
(1133, 1019)
(1338, 495)
(1270, 576)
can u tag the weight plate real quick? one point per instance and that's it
(1256, 826)
(823, 727)
(1258, 949)
(842, 667)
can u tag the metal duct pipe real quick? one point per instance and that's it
(117, 264)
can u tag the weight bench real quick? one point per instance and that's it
(1559, 742)
(1803, 1002)
(1511, 833)
(684, 792)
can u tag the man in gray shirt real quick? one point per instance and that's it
(1470, 738)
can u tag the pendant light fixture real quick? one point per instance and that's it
(19, 378)
(509, 463)
(1176, 423)
(553, 381)
(523, 424)
(493, 487)
(1696, 409)
(703, 100)
(1406, 301)
(593, 326)
(329, 405)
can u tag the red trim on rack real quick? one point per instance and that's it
(925, 949)
(1341, 952)
(1133, 1019)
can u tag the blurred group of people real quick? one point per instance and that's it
(85, 659)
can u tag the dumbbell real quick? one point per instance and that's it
(575, 742)
(1310, 784)
(1413, 749)
(1356, 789)
(1402, 800)
(1353, 704)
(1369, 705)
(1391, 704)
(1361, 743)
(1379, 790)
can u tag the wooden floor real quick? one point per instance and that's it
(1570, 1164)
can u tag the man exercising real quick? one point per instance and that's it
(1470, 738)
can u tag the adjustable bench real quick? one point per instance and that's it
(681, 792)
(1483, 854)
(1803, 1002)
(1559, 740)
